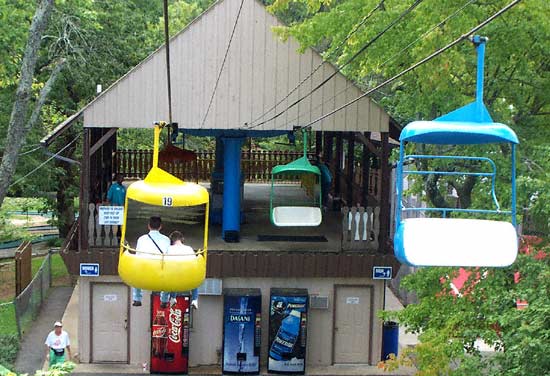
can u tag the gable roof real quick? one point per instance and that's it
(260, 71)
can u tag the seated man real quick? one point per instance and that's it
(177, 247)
(151, 242)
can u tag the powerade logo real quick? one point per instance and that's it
(239, 318)
(296, 306)
(281, 341)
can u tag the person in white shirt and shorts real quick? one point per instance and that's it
(57, 343)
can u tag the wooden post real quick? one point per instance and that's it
(350, 169)
(365, 166)
(384, 194)
(318, 143)
(327, 146)
(84, 190)
(338, 159)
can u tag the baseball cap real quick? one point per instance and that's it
(58, 323)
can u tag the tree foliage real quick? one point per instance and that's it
(517, 77)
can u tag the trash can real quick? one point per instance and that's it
(390, 339)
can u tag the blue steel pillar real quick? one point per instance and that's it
(231, 224)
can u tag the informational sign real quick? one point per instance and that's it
(111, 215)
(381, 272)
(352, 300)
(287, 331)
(89, 270)
(110, 298)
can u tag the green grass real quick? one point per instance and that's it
(24, 203)
(58, 266)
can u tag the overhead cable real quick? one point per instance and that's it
(339, 69)
(416, 65)
(223, 64)
(44, 163)
(167, 49)
(337, 49)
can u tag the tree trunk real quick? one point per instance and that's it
(18, 129)
(66, 185)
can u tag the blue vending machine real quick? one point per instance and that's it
(241, 331)
(287, 331)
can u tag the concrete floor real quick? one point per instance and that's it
(257, 222)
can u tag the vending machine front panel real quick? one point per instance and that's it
(170, 336)
(241, 331)
(287, 331)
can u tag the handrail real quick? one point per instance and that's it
(127, 248)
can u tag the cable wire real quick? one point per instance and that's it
(223, 64)
(392, 57)
(339, 69)
(167, 48)
(416, 65)
(30, 151)
(331, 55)
(43, 163)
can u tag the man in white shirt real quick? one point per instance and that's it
(153, 242)
(177, 247)
(56, 343)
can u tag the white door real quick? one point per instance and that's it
(109, 322)
(352, 324)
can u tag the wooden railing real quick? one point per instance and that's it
(100, 235)
(255, 165)
(360, 228)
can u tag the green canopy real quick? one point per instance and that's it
(301, 165)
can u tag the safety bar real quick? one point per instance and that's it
(462, 173)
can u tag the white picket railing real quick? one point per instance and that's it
(360, 228)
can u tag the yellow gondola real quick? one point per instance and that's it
(163, 194)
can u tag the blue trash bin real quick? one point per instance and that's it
(390, 339)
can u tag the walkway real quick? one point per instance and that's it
(31, 355)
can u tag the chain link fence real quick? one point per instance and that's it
(16, 315)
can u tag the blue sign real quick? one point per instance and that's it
(381, 272)
(89, 270)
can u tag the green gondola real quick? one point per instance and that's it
(306, 212)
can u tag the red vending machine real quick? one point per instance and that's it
(170, 335)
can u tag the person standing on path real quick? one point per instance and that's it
(56, 344)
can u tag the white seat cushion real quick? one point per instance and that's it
(296, 216)
(455, 242)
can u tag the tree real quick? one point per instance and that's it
(20, 123)
(448, 325)
(516, 74)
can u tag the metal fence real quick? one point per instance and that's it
(18, 314)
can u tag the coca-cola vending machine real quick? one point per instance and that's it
(170, 335)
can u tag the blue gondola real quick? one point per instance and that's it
(444, 241)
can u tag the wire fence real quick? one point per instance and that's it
(16, 316)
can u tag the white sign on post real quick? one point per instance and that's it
(111, 215)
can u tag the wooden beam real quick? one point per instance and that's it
(365, 166)
(372, 148)
(338, 169)
(84, 191)
(318, 143)
(385, 214)
(350, 169)
(102, 140)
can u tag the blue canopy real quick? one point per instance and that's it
(457, 133)
(470, 124)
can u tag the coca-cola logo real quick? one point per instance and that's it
(159, 331)
(175, 322)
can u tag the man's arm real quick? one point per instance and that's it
(69, 352)
(47, 352)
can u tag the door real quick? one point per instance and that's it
(109, 323)
(352, 324)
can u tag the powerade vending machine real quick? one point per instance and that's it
(287, 331)
(170, 335)
(242, 309)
